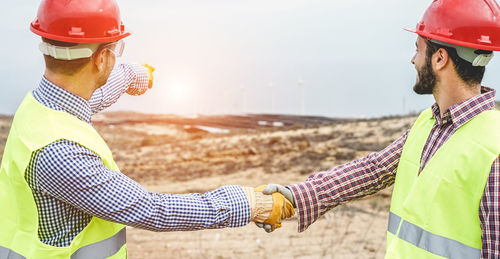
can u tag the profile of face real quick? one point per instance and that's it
(426, 78)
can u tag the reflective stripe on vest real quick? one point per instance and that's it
(103, 248)
(6, 253)
(428, 241)
(394, 221)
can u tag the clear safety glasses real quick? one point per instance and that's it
(119, 47)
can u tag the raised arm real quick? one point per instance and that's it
(131, 78)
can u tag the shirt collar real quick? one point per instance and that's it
(66, 101)
(462, 112)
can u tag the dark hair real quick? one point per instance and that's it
(471, 75)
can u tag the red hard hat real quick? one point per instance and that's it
(468, 23)
(79, 21)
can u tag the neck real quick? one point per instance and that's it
(77, 84)
(452, 92)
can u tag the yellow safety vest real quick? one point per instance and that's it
(435, 213)
(34, 127)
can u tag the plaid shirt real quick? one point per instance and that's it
(71, 184)
(325, 190)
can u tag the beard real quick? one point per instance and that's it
(426, 80)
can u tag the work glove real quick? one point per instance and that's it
(139, 87)
(150, 73)
(273, 189)
(268, 209)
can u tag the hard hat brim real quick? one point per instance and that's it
(126, 33)
(451, 41)
(410, 29)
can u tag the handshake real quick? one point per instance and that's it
(269, 205)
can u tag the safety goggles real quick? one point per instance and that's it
(119, 47)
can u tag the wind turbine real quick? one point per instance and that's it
(404, 105)
(195, 102)
(244, 92)
(273, 97)
(302, 97)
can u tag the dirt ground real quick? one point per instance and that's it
(174, 158)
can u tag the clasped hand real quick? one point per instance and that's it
(269, 206)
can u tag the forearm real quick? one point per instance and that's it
(132, 78)
(323, 191)
(224, 207)
(77, 176)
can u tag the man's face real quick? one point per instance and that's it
(426, 78)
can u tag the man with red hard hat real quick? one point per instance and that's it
(61, 193)
(446, 168)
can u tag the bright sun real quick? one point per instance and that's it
(178, 90)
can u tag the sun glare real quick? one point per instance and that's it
(178, 90)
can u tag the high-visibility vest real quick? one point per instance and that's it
(435, 212)
(34, 127)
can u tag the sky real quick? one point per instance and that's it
(234, 57)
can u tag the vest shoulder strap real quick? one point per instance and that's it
(33, 120)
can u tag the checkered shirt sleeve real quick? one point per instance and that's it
(323, 191)
(131, 78)
(489, 214)
(77, 176)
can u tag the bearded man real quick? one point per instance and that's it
(446, 168)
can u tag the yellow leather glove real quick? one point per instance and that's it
(150, 72)
(268, 209)
(282, 209)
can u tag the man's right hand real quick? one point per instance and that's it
(268, 210)
(273, 188)
(150, 70)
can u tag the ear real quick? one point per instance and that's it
(100, 59)
(440, 59)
